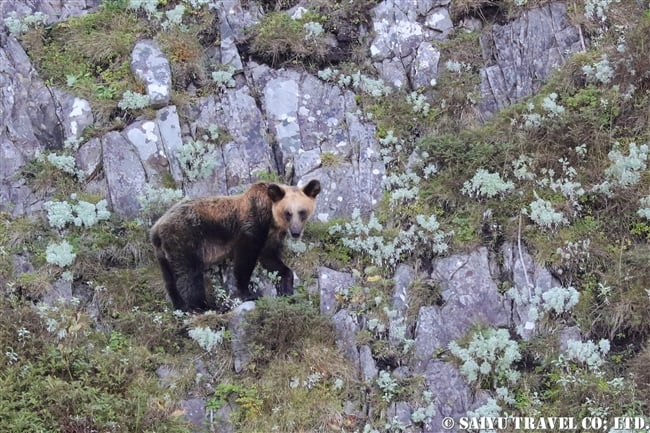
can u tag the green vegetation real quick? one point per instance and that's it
(90, 55)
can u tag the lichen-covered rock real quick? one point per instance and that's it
(125, 174)
(524, 52)
(401, 50)
(149, 65)
(452, 396)
(367, 364)
(346, 336)
(169, 128)
(321, 134)
(331, 282)
(55, 10)
(77, 114)
(139, 155)
(403, 278)
(245, 153)
(240, 349)
(471, 297)
(233, 20)
(529, 279)
(29, 117)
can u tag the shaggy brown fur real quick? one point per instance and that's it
(248, 227)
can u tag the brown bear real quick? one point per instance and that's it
(248, 227)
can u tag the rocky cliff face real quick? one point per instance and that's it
(291, 122)
(280, 121)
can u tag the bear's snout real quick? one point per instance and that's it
(295, 235)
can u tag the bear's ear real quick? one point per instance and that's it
(276, 193)
(312, 189)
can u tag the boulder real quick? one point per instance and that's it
(149, 65)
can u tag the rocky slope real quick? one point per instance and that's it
(393, 106)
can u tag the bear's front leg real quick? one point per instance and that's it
(245, 259)
(272, 262)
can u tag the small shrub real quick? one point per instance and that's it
(197, 159)
(134, 101)
(278, 37)
(206, 338)
(370, 237)
(65, 163)
(488, 358)
(224, 78)
(278, 326)
(81, 213)
(625, 170)
(19, 26)
(644, 210)
(588, 353)
(387, 385)
(544, 214)
(486, 184)
(61, 254)
(155, 201)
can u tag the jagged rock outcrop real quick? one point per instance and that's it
(402, 51)
(30, 117)
(313, 121)
(284, 121)
(524, 52)
(247, 151)
(471, 297)
(470, 287)
(55, 10)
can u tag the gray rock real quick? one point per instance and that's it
(233, 20)
(146, 140)
(528, 278)
(451, 395)
(194, 411)
(55, 10)
(402, 51)
(166, 375)
(220, 421)
(228, 50)
(141, 154)
(76, 112)
(425, 66)
(150, 66)
(329, 283)
(309, 118)
(236, 325)
(30, 126)
(439, 20)
(346, 329)
(471, 297)
(523, 54)
(401, 411)
(403, 278)
(59, 291)
(367, 364)
(571, 333)
(170, 138)
(392, 72)
(125, 174)
(245, 155)
(89, 157)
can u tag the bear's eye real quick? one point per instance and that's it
(287, 215)
(303, 214)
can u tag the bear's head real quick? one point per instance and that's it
(292, 206)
